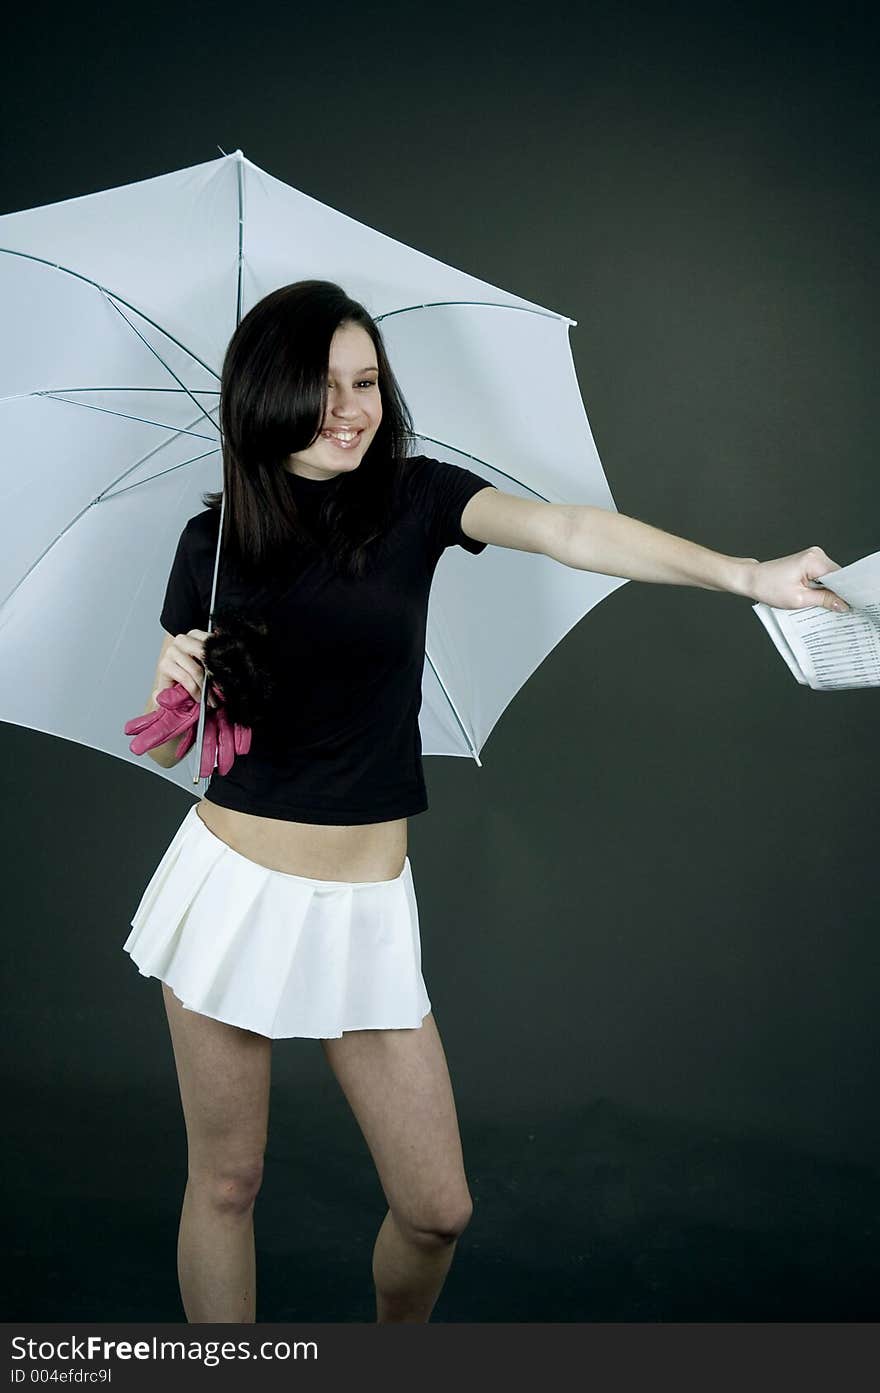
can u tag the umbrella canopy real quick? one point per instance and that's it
(118, 307)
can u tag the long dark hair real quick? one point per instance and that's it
(273, 399)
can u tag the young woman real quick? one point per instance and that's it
(284, 906)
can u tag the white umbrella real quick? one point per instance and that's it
(117, 309)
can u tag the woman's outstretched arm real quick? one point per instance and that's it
(598, 539)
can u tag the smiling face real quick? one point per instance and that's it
(354, 408)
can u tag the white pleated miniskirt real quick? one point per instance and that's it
(280, 954)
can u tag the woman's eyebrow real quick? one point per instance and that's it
(357, 370)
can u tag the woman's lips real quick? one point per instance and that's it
(342, 444)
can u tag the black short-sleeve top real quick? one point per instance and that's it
(343, 744)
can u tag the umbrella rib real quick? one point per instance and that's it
(117, 493)
(483, 304)
(47, 391)
(200, 729)
(98, 499)
(486, 464)
(126, 416)
(156, 355)
(68, 271)
(240, 243)
(453, 708)
(149, 455)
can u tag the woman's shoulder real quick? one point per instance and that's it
(197, 541)
(415, 470)
(207, 520)
(417, 478)
(201, 527)
(423, 474)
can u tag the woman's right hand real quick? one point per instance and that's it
(183, 662)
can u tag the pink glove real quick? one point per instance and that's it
(178, 714)
(224, 737)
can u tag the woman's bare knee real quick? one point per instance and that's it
(436, 1221)
(398, 1085)
(228, 1189)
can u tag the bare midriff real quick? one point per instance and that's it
(370, 851)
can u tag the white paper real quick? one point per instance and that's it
(826, 650)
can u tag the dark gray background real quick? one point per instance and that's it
(658, 895)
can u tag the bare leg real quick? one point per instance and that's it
(397, 1084)
(409, 1272)
(224, 1074)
